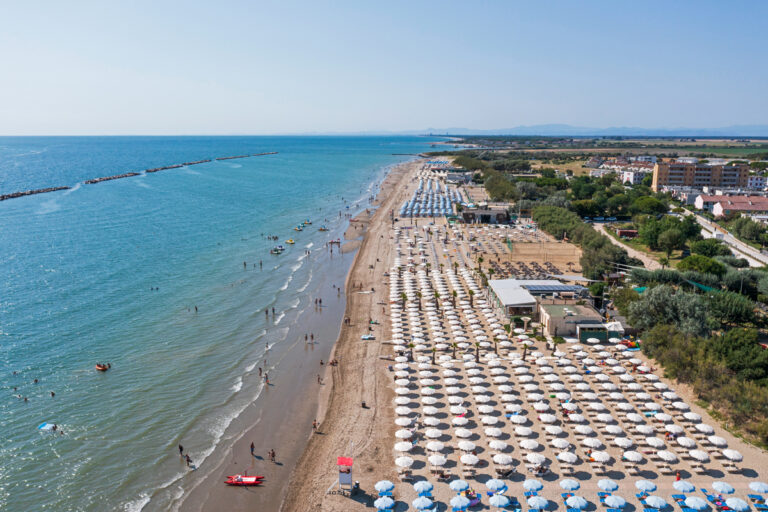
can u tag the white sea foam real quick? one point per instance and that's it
(238, 385)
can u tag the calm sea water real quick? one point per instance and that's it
(77, 269)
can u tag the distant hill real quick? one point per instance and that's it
(581, 131)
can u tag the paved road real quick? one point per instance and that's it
(648, 262)
(739, 248)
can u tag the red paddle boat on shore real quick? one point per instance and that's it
(244, 480)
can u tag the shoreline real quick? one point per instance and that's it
(345, 426)
(294, 396)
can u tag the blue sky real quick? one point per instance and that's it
(220, 67)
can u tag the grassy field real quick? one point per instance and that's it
(636, 244)
(577, 167)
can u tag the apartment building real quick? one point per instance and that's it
(698, 175)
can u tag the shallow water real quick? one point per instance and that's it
(77, 269)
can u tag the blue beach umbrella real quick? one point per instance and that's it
(458, 485)
(614, 501)
(421, 503)
(384, 486)
(422, 486)
(499, 500)
(496, 485)
(576, 502)
(737, 504)
(532, 485)
(384, 503)
(569, 484)
(655, 502)
(722, 487)
(645, 485)
(460, 502)
(537, 502)
(695, 503)
(683, 486)
(760, 487)
(607, 485)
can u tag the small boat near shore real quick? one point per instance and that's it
(337, 241)
(290, 241)
(101, 367)
(278, 249)
(322, 228)
(244, 480)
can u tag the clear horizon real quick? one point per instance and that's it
(190, 68)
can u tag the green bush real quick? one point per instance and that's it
(702, 264)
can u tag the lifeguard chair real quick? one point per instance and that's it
(345, 474)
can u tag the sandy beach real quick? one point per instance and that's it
(583, 411)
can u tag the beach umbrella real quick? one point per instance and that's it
(433, 433)
(561, 444)
(459, 502)
(403, 462)
(567, 457)
(403, 411)
(695, 503)
(463, 433)
(717, 441)
(384, 486)
(645, 485)
(732, 455)
(435, 446)
(403, 446)
(537, 502)
(458, 485)
(403, 434)
(592, 442)
(460, 421)
(623, 442)
(614, 501)
(384, 503)
(529, 444)
(493, 432)
(437, 460)
(655, 502)
(523, 431)
(576, 502)
(666, 456)
(699, 455)
(497, 445)
(683, 486)
(674, 429)
(518, 419)
(723, 487)
(468, 459)
(760, 487)
(498, 500)
(569, 484)
(403, 422)
(422, 503)
(686, 442)
(431, 421)
(607, 485)
(601, 456)
(422, 486)
(704, 428)
(496, 485)
(737, 504)
(614, 430)
(532, 484)
(553, 430)
(633, 456)
(502, 459)
(466, 446)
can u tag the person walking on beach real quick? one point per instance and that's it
(252, 448)
(188, 461)
(273, 311)
(319, 380)
(181, 450)
(314, 425)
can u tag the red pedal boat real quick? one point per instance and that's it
(244, 480)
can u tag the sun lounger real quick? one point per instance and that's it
(664, 469)
(528, 494)
(761, 506)
(566, 470)
(613, 510)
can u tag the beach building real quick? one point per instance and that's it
(486, 215)
(757, 182)
(577, 320)
(690, 173)
(518, 297)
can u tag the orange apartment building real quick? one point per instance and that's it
(698, 175)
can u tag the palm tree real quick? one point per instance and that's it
(429, 265)
(525, 350)
(496, 346)
(441, 267)
(434, 351)
(403, 298)
(471, 298)
(456, 266)
(664, 261)
(491, 272)
(437, 300)
(454, 345)
(418, 294)
(557, 340)
(400, 271)
(410, 352)
(477, 351)
(454, 294)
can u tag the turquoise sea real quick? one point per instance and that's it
(112, 272)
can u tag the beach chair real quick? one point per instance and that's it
(688, 509)
(755, 498)
(566, 495)
(665, 469)
(761, 506)
(632, 470)
(679, 498)
(613, 510)
(528, 494)
(573, 510)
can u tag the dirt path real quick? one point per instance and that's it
(650, 263)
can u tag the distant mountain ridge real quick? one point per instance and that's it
(757, 130)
